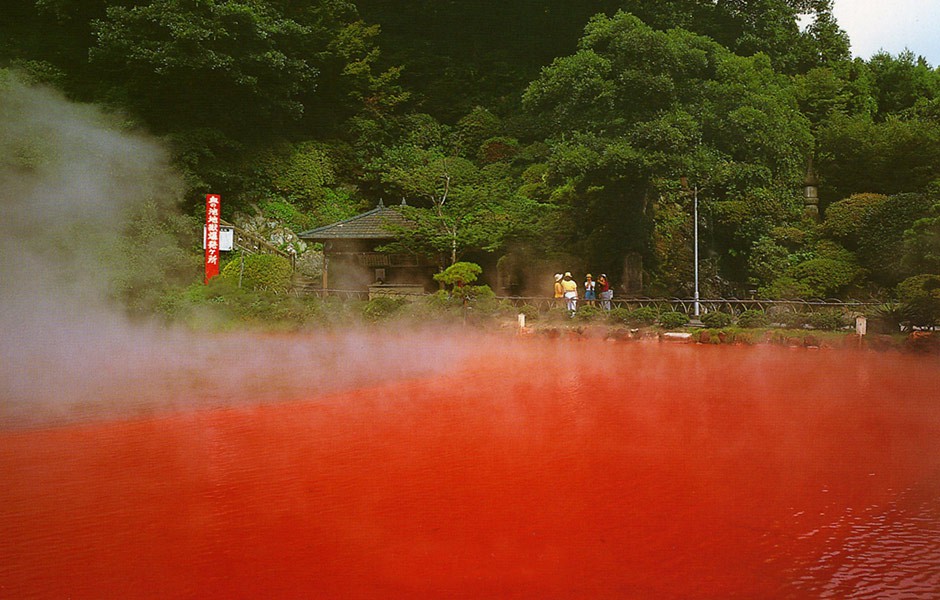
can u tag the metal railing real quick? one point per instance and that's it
(251, 243)
(732, 306)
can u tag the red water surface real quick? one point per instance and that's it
(533, 469)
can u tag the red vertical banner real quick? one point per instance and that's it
(213, 214)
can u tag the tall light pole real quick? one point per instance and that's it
(695, 322)
(697, 311)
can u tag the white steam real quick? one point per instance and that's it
(69, 178)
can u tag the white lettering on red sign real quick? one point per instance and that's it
(213, 213)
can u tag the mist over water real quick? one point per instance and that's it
(69, 180)
(416, 464)
(534, 469)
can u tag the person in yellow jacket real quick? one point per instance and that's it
(559, 289)
(571, 292)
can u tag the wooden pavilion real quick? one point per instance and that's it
(352, 261)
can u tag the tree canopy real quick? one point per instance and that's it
(558, 129)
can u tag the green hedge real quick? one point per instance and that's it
(716, 319)
(673, 320)
(262, 272)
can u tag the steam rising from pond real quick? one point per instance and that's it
(69, 180)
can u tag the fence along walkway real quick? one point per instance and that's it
(733, 306)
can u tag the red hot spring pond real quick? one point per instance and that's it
(504, 469)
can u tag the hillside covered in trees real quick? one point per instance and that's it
(558, 129)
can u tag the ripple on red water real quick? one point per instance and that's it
(559, 470)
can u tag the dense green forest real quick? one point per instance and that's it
(560, 128)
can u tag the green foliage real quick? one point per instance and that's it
(619, 314)
(261, 272)
(922, 243)
(580, 157)
(716, 319)
(303, 174)
(829, 320)
(822, 270)
(753, 319)
(888, 317)
(897, 155)
(456, 207)
(681, 105)
(39, 72)
(225, 63)
(825, 277)
(901, 81)
(288, 214)
(673, 320)
(785, 288)
(459, 274)
(152, 257)
(643, 316)
(881, 245)
(920, 297)
(793, 319)
(846, 88)
(497, 149)
(252, 62)
(767, 260)
(382, 307)
(479, 125)
(846, 219)
(531, 312)
(222, 305)
(479, 293)
(589, 313)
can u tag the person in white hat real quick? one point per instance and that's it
(559, 289)
(571, 292)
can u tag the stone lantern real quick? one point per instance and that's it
(811, 192)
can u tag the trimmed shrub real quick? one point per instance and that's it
(881, 241)
(589, 313)
(531, 312)
(752, 318)
(262, 272)
(382, 307)
(645, 315)
(829, 320)
(716, 319)
(845, 219)
(459, 273)
(824, 277)
(793, 319)
(557, 314)
(619, 314)
(673, 319)
(785, 288)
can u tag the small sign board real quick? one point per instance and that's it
(861, 325)
(226, 238)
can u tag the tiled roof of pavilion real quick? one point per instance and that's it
(370, 225)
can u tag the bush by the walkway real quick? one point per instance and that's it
(716, 319)
(382, 307)
(829, 320)
(638, 317)
(261, 272)
(752, 319)
(673, 320)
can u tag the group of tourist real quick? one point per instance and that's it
(566, 291)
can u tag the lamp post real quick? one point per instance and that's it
(695, 322)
